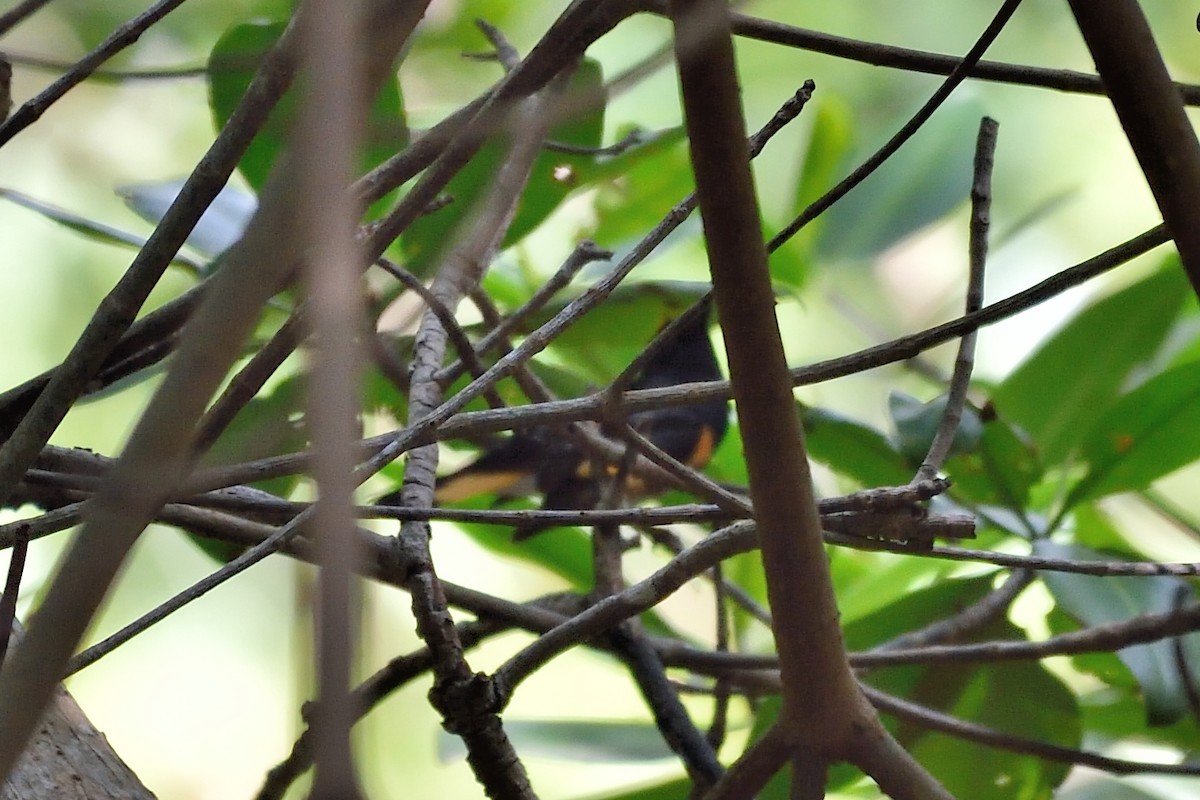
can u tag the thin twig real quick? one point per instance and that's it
(18, 13)
(972, 732)
(586, 252)
(125, 35)
(12, 589)
(906, 131)
(249, 380)
(964, 361)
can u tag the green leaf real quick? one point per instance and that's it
(673, 789)
(869, 582)
(853, 449)
(912, 610)
(1001, 469)
(1148, 433)
(1022, 699)
(552, 177)
(92, 229)
(1100, 600)
(627, 207)
(581, 741)
(603, 342)
(565, 552)
(829, 144)
(1059, 392)
(920, 184)
(221, 224)
(231, 67)
(917, 422)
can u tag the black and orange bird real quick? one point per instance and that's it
(556, 465)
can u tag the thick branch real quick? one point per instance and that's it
(1151, 112)
(822, 704)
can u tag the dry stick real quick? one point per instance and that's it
(822, 707)
(118, 40)
(727, 588)
(462, 697)
(1182, 594)
(722, 639)
(397, 673)
(586, 252)
(120, 306)
(12, 589)
(974, 617)
(834, 721)
(113, 75)
(454, 424)
(1152, 114)
(972, 732)
(617, 608)
(691, 479)
(757, 764)
(458, 337)
(906, 132)
(14, 16)
(1142, 629)
(903, 58)
(249, 380)
(157, 457)
(964, 361)
(329, 129)
(1102, 568)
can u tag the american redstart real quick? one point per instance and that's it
(559, 467)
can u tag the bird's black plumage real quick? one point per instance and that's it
(552, 463)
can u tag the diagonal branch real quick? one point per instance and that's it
(1151, 112)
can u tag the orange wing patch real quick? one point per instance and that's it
(468, 485)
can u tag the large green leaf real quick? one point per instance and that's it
(93, 229)
(566, 552)
(829, 143)
(917, 422)
(853, 449)
(1148, 433)
(1023, 699)
(552, 177)
(231, 67)
(1100, 600)
(921, 183)
(912, 610)
(1001, 469)
(1063, 388)
(672, 789)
